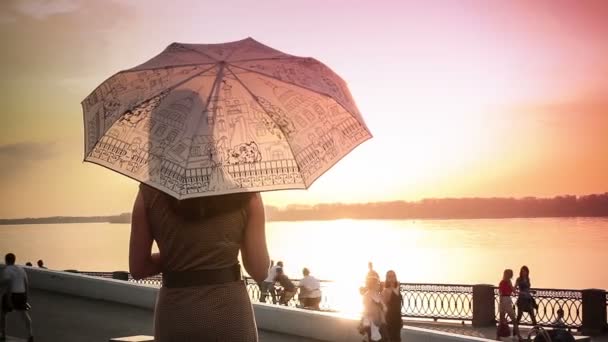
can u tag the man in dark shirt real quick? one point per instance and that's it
(289, 289)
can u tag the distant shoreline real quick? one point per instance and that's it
(120, 220)
(439, 209)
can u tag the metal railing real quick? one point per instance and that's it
(437, 301)
(549, 301)
(430, 301)
(326, 288)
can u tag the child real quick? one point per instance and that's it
(559, 323)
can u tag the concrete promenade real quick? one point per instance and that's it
(485, 332)
(59, 317)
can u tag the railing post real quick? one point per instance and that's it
(594, 311)
(483, 306)
(120, 275)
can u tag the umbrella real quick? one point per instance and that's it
(211, 119)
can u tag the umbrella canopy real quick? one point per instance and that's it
(211, 119)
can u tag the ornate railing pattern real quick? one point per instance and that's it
(434, 301)
(326, 286)
(549, 301)
(437, 301)
(252, 288)
(153, 281)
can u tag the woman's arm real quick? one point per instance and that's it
(142, 262)
(254, 251)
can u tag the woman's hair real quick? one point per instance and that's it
(205, 207)
(524, 269)
(507, 274)
(386, 281)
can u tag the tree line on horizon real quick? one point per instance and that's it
(433, 208)
(595, 205)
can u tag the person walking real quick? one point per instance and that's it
(203, 297)
(373, 322)
(14, 280)
(525, 301)
(391, 296)
(505, 306)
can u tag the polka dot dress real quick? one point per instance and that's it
(201, 313)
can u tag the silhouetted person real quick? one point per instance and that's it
(525, 302)
(41, 264)
(310, 291)
(203, 297)
(505, 306)
(14, 280)
(29, 264)
(289, 289)
(371, 272)
(373, 320)
(559, 322)
(267, 286)
(391, 296)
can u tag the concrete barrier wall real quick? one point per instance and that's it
(111, 290)
(334, 327)
(291, 321)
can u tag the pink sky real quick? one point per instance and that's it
(465, 98)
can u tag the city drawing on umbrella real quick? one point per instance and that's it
(211, 119)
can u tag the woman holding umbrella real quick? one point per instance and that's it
(172, 124)
(199, 239)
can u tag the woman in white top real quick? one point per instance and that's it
(373, 321)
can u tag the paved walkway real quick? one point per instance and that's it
(58, 317)
(487, 332)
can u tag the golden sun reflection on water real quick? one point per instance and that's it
(340, 250)
(438, 251)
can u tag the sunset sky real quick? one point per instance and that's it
(464, 98)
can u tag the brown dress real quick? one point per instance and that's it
(200, 313)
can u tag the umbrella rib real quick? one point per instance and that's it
(306, 88)
(297, 85)
(218, 78)
(268, 114)
(150, 97)
(264, 59)
(165, 67)
(174, 86)
(199, 52)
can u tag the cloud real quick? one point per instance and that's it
(67, 39)
(11, 11)
(19, 157)
(41, 9)
(7, 18)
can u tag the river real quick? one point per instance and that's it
(560, 252)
